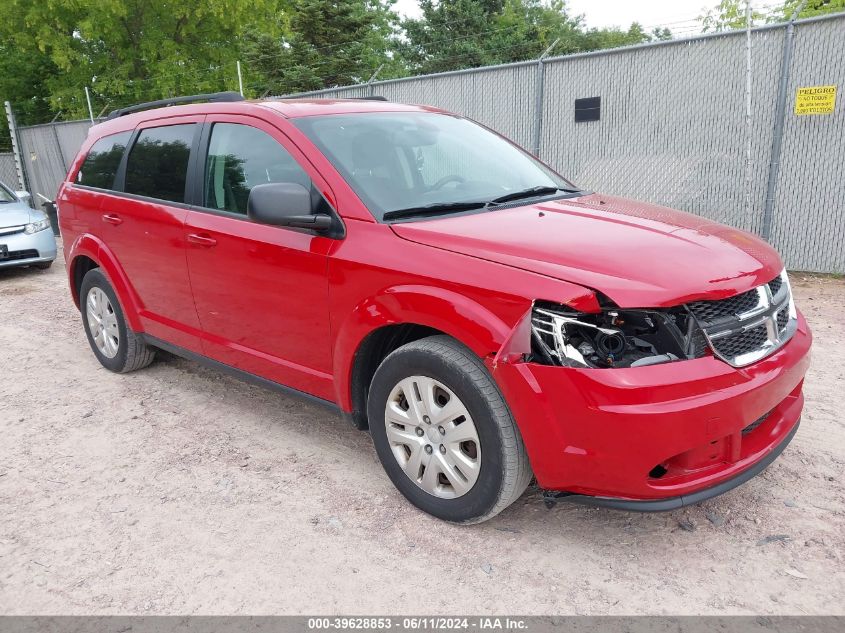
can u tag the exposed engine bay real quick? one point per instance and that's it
(614, 337)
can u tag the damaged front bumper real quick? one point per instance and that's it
(655, 437)
(673, 503)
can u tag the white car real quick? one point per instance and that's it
(25, 235)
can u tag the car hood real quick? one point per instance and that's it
(638, 254)
(15, 214)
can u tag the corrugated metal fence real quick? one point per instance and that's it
(672, 129)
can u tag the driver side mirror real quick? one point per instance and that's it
(285, 204)
(23, 196)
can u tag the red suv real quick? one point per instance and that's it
(485, 319)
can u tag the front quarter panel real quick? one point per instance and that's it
(377, 279)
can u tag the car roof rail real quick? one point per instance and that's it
(372, 98)
(213, 97)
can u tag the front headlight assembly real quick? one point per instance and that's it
(38, 225)
(613, 337)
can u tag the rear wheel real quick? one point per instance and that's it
(443, 432)
(114, 344)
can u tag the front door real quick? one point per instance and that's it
(261, 292)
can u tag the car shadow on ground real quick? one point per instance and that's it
(17, 272)
(325, 430)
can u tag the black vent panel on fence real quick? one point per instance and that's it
(588, 109)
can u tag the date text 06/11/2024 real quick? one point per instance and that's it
(418, 624)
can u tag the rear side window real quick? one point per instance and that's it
(100, 166)
(157, 166)
(241, 157)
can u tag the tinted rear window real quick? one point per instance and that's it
(100, 166)
(157, 166)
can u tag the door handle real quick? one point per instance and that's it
(111, 218)
(201, 240)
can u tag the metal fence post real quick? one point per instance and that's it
(777, 135)
(59, 146)
(748, 139)
(16, 148)
(372, 79)
(538, 103)
(88, 100)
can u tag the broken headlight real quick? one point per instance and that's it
(613, 337)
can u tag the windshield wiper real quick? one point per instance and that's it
(532, 192)
(439, 208)
(442, 208)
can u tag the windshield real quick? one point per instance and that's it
(412, 160)
(6, 195)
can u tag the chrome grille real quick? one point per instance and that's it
(748, 327)
(11, 230)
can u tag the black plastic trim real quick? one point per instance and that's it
(673, 503)
(238, 373)
(214, 97)
(191, 177)
(120, 177)
(134, 196)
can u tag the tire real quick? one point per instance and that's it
(503, 473)
(43, 265)
(125, 351)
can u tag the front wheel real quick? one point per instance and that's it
(444, 433)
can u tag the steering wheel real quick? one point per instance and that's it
(446, 180)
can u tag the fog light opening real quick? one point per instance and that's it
(657, 472)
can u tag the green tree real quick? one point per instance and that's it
(30, 96)
(470, 33)
(328, 44)
(812, 8)
(128, 50)
(615, 37)
(730, 14)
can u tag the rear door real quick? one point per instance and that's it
(261, 292)
(143, 225)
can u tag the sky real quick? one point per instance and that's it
(679, 15)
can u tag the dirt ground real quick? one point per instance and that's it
(178, 490)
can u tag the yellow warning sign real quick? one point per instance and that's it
(815, 100)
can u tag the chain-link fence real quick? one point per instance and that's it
(8, 173)
(671, 128)
(47, 152)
